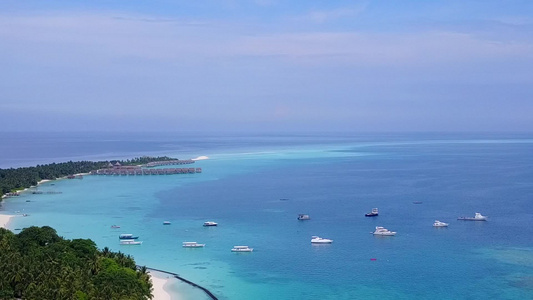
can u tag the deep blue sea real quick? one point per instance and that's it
(254, 186)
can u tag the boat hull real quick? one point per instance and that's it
(385, 234)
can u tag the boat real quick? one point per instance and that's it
(242, 249)
(440, 224)
(127, 236)
(209, 223)
(303, 217)
(192, 245)
(318, 240)
(383, 231)
(477, 217)
(417, 202)
(115, 226)
(373, 213)
(130, 242)
(166, 223)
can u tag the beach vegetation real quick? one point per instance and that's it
(38, 264)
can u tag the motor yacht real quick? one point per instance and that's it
(209, 223)
(383, 231)
(303, 217)
(318, 240)
(477, 217)
(440, 224)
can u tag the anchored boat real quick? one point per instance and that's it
(477, 217)
(383, 231)
(373, 213)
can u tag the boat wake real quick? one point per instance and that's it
(200, 158)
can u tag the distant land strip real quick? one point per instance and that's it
(13, 180)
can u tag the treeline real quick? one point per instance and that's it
(143, 160)
(20, 178)
(39, 264)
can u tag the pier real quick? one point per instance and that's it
(184, 280)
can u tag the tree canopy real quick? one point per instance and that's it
(38, 264)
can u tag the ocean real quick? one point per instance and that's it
(254, 187)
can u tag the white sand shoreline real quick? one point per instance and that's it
(159, 282)
(4, 220)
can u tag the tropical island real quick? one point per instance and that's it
(38, 264)
(15, 179)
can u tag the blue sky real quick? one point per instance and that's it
(266, 65)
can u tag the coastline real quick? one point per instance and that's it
(4, 196)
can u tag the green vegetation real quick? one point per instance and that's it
(39, 264)
(143, 160)
(12, 180)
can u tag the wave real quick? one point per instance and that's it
(201, 157)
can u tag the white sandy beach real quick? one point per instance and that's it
(4, 220)
(159, 280)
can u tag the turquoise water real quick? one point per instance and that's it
(255, 187)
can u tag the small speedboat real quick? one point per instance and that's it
(242, 249)
(303, 217)
(130, 242)
(209, 223)
(373, 213)
(192, 245)
(477, 217)
(115, 226)
(318, 240)
(166, 223)
(440, 224)
(383, 231)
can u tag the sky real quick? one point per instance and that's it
(266, 65)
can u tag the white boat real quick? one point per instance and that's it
(127, 236)
(318, 240)
(477, 217)
(209, 223)
(166, 223)
(303, 217)
(383, 231)
(242, 249)
(440, 224)
(192, 245)
(130, 242)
